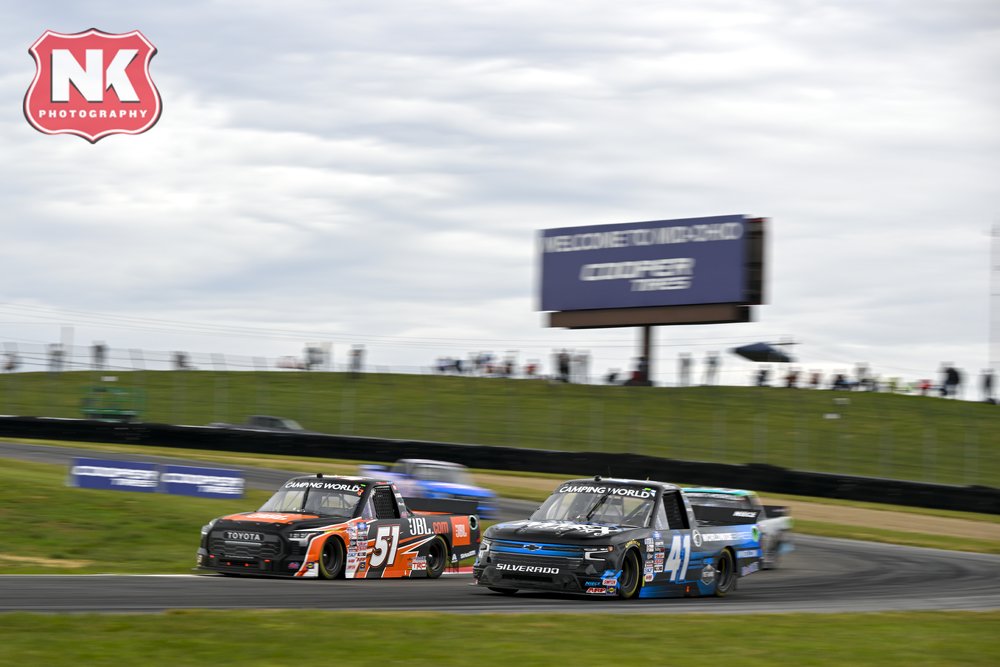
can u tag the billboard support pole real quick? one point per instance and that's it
(647, 351)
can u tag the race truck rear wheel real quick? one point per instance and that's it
(331, 562)
(630, 580)
(725, 574)
(437, 557)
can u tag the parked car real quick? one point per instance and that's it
(427, 478)
(265, 423)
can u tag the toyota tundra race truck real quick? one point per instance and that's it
(623, 538)
(341, 527)
(774, 521)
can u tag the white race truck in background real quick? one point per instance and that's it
(774, 521)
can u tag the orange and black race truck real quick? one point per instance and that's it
(341, 527)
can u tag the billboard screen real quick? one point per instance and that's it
(643, 264)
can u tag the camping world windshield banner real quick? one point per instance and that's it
(641, 264)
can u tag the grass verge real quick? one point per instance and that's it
(252, 638)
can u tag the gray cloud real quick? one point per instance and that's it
(381, 169)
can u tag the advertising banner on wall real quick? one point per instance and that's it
(643, 264)
(110, 475)
(202, 482)
(114, 475)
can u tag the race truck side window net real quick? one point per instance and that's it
(385, 503)
(676, 513)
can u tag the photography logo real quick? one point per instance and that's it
(92, 84)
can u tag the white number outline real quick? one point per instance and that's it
(389, 536)
(680, 556)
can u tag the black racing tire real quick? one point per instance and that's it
(331, 561)
(437, 557)
(725, 574)
(630, 580)
(505, 591)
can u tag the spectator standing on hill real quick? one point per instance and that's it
(357, 360)
(11, 362)
(815, 380)
(951, 381)
(986, 384)
(100, 353)
(711, 368)
(562, 366)
(684, 370)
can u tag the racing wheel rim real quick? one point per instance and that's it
(628, 583)
(331, 562)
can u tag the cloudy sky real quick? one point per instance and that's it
(376, 172)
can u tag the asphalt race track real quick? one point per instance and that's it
(821, 575)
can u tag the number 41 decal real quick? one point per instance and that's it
(386, 541)
(680, 555)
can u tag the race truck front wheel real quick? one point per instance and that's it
(630, 580)
(437, 557)
(725, 574)
(331, 562)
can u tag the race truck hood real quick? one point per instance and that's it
(563, 531)
(277, 518)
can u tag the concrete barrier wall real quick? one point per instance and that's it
(762, 478)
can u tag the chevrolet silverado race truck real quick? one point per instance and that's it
(620, 537)
(427, 478)
(774, 521)
(341, 527)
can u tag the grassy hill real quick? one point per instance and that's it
(906, 437)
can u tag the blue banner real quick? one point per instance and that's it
(114, 475)
(641, 264)
(202, 482)
(110, 475)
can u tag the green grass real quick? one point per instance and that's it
(912, 539)
(882, 435)
(264, 638)
(52, 528)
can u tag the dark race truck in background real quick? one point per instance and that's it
(341, 527)
(620, 537)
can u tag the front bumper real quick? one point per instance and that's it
(255, 566)
(572, 573)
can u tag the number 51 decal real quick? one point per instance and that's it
(680, 555)
(386, 541)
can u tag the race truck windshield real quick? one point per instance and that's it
(340, 500)
(614, 505)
